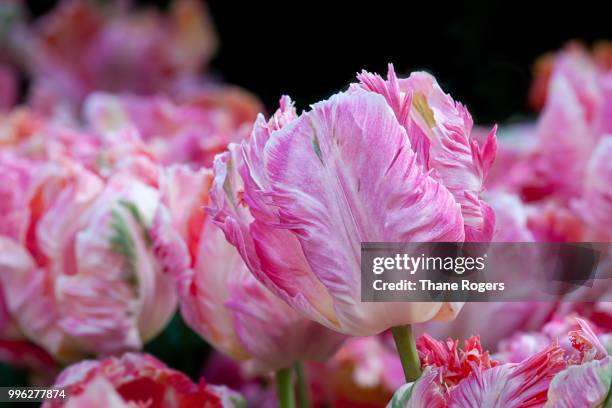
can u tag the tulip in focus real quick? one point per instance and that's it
(385, 161)
(555, 376)
(317, 185)
(506, 385)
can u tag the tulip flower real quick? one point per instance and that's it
(560, 373)
(365, 372)
(383, 161)
(552, 161)
(135, 380)
(192, 131)
(454, 364)
(223, 302)
(83, 270)
(510, 385)
(239, 316)
(81, 47)
(18, 351)
(445, 384)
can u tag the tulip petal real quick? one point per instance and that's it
(426, 392)
(587, 385)
(28, 297)
(260, 245)
(439, 130)
(290, 339)
(510, 385)
(595, 206)
(343, 174)
(202, 303)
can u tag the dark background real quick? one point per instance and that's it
(480, 51)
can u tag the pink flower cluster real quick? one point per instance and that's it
(133, 187)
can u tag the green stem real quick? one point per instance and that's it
(406, 348)
(284, 388)
(303, 394)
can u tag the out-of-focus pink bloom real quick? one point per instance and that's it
(226, 305)
(17, 351)
(511, 218)
(521, 346)
(580, 341)
(542, 71)
(8, 88)
(373, 360)
(587, 385)
(192, 132)
(363, 373)
(81, 47)
(574, 118)
(510, 385)
(567, 128)
(511, 167)
(474, 317)
(553, 221)
(30, 135)
(90, 274)
(16, 191)
(595, 205)
(313, 187)
(545, 65)
(606, 81)
(453, 364)
(136, 380)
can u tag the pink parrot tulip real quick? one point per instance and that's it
(366, 165)
(569, 368)
(84, 270)
(510, 385)
(223, 302)
(524, 384)
(136, 380)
